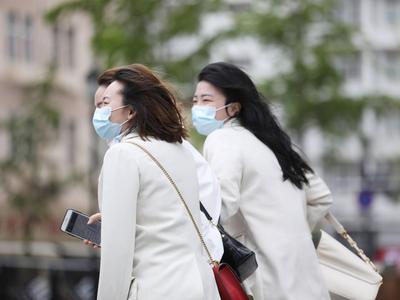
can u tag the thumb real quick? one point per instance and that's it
(94, 218)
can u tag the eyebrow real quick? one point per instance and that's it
(203, 95)
(106, 97)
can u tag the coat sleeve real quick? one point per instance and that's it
(210, 197)
(225, 161)
(319, 199)
(119, 192)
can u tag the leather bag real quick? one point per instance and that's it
(241, 259)
(346, 274)
(228, 283)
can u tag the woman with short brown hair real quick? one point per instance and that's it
(149, 248)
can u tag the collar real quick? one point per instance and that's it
(122, 137)
(129, 136)
(232, 122)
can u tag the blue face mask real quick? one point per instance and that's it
(203, 119)
(106, 129)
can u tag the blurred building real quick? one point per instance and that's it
(28, 47)
(59, 266)
(373, 69)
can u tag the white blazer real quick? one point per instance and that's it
(209, 196)
(150, 249)
(269, 215)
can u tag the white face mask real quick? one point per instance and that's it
(203, 118)
(106, 129)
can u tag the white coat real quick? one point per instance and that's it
(268, 214)
(150, 249)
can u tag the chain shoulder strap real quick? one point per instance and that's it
(212, 261)
(343, 232)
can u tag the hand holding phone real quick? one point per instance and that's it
(76, 224)
(93, 219)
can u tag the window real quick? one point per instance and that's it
(390, 66)
(63, 53)
(12, 36)
(28, 39)
(350, 66)
(19, 37)
(71, 143)
(349, 11)
(392, 12)
(56, 45)
(71, 47)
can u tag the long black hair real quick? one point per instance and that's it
(256, 116)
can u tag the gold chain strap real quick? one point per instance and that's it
(360, 252)
(343, 232)
(212, 261)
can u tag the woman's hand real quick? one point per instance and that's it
(93, 219)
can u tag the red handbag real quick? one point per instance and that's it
(228, 283)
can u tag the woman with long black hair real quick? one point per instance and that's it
(271, 197)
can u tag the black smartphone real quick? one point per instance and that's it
(75, 224)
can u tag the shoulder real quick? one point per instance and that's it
(121, 152)
(223, 144)
(198, 158)
(231, 135)
(225, 134)
(188, 146)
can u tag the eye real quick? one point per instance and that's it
(194, 101)
(106, 100)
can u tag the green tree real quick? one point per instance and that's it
(152, 32)
(142, 31)
(30, 177)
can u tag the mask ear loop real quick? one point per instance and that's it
(123, 106)
(123, 123)
(133, 127)
(227, 118)
(223, 106)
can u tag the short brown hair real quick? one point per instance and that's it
(106, 77)
(154, 102)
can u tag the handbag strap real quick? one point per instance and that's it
(205, 212)
(212, 261)
(343, 232)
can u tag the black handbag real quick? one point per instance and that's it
(240, 258)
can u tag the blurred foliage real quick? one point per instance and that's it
(196, 139)
(141, 31)
(311, 40)
(307, 34)
(29, 176)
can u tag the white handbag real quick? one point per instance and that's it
(346, 274)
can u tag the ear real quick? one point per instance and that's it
(131, 113)
(234, 109)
